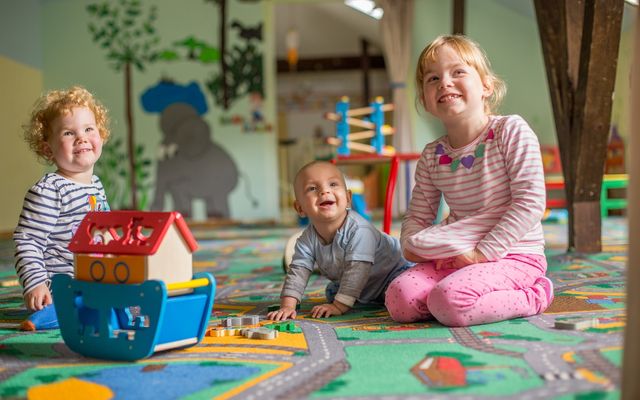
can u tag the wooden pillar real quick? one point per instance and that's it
(631, 357)
(580, 41)
(366, 67)
(458, 17)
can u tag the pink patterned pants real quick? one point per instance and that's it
(476, 294)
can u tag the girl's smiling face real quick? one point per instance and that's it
(452, 88)
(75, 144)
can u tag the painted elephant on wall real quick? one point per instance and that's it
(191, 166)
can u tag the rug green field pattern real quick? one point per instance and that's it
(362, 354)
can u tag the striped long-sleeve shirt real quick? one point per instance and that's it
(494, 187)
(52, 210)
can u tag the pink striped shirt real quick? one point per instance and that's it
(496, 204)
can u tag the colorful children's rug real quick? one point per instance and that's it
(573, 351)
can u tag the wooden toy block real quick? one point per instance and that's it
(260, 333)
(9, 283)
(126, 334)
(288, 326)
(222, 332)
(241, 321)
(577, 324)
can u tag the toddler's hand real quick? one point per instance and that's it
(38, 298)
(282, 314)
(325, 310)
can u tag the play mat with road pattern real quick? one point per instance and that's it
(362, 354)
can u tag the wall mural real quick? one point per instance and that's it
(240, 72)
(126, 31)
(190, 165)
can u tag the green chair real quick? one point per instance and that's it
(612, 181)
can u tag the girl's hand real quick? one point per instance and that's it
(409, 256)
(38, 298)
(282, 314)
(474, 256)
(444, 263)
(327, 310)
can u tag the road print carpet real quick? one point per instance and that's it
(359, 355)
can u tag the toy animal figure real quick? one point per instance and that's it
(41, 320)
(191, 165)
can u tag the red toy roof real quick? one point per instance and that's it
(127, 232)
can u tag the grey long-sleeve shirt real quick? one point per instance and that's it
(360, 259)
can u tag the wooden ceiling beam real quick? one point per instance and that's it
(458, 16)
(337, 63)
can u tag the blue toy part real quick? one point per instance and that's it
(44, 319)
(359, 205)
(443, 211)
(377, 117)
(342, 126)
(96, 319)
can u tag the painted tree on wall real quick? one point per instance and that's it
(243, 72)
(240, 67)
(127, 33)
(240, 71)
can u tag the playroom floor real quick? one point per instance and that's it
(359, 355)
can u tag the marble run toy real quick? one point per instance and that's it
(373, 123)
(133, 293)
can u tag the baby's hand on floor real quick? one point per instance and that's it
(282, 314)
(38, 298)
(325, 310)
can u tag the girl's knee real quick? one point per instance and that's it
(403, 314)
(403, 304)
(446, 307)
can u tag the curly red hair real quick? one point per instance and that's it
(54, 104)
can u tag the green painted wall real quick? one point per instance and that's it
(71, 57)
(510, 39)
(46, 44)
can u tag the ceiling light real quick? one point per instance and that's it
(366, 6)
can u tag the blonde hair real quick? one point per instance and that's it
(471, 54)
(54, 104)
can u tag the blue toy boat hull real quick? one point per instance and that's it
(130, 322)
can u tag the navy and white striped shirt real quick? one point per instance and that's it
(52, 210)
